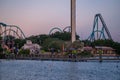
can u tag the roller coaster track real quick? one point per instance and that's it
(8, 29)
(100, 33)
(55, 28)
(68, 28)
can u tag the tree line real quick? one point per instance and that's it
(57, 39)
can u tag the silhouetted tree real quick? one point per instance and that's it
(66, 36)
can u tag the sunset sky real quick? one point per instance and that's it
(36, 17)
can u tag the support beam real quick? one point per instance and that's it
(73, 20)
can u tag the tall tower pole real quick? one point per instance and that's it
(73, 20)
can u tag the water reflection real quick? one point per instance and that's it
(58, 70)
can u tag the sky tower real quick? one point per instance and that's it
(73, 20)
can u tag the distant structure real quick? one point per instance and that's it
(11, 30)
(34, 48)
(9, 33)
(55, 28)
(67, 29)
(97, 32)
(106, 51)
(73, 20)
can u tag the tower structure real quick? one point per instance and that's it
(73, 20)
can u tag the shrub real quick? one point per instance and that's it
(42, 51)
(24, 51)
(52, 43)
(85, 54)
(66, 53)
(1, 49)
(7, 52)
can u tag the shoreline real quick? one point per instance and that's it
(64, 60)
(59, 58)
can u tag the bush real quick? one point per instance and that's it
(74, 52)
(1, 49)
(66, 53)
(42, 51)
(24, 51)
(85, 54)
(52, 43)
(7, 52)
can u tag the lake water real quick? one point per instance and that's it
(58, 70)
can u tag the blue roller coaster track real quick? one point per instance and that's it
(97, 32)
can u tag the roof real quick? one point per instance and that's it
(104, 48)
(87, 48)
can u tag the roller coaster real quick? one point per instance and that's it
(100, 31)
(8, 31)
(53, 29)
(11, 30)
(66, 29)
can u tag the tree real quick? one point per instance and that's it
(116, 46)
(39, 39)
(78, 44)
(24, 51)
(52, 43)
(19, 42)
(1, 49)
(66, 36)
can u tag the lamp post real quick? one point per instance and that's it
(73, 20)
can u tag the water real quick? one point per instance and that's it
(58, 70)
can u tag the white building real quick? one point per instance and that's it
(34, 48)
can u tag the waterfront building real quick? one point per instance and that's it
(106, 51)
(34, 48)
